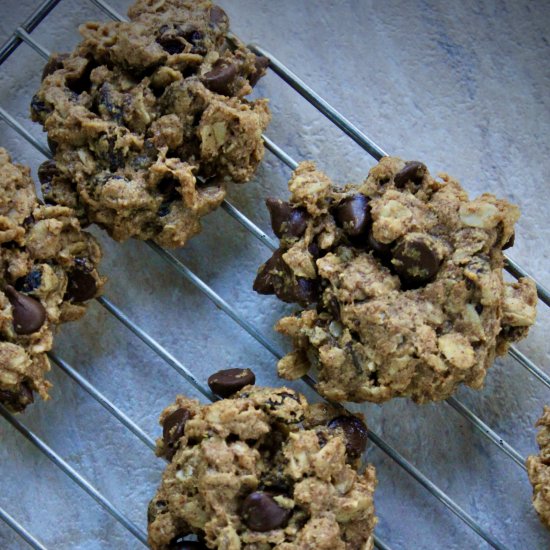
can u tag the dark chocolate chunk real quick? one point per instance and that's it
(415, 260)
(82, 285)
(275, 277)
(304, 292)
(221, 77)
(227, 382)
(382, 249)
(285, 220)
(413, 171)
(55, 62)
(171, 44)
(261, 63)
(353, 214)
(28, 314)
(260, 512)
(173, 429)
(355, 433)
(17, 400)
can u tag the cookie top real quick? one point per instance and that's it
(147, 120)
(48, 271)
(400, 280)
(262, 469)
(538, 469)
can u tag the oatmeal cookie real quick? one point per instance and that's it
(148, 119)
(538, 469)
(400, 281)
(262, 469)
(47, 274)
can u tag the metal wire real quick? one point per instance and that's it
(21, 531)
(74, 475)
(22, 34)
(102, 400)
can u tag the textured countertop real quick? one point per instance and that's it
(463, 86)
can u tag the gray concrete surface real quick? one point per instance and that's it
(463, 86)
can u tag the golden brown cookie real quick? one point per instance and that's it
(48, 271)
(148, 119)
(262, 469)
(400, 283)
(538, 469)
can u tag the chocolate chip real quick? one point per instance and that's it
(17, 400)
(285, 220)
(227, 382)
(173, 429)
(260, 512)
(261, 63)
(353, 214)
(55, 62)
(413, 171)
(28, 314)
(264, 283)
(303, 292)
(171, 44)
(218, 16)
(275, 277)
(82, 285)
(510, 242)
(415, 260)
(355, 433)
(221, 77)
(382, 249)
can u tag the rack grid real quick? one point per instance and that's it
(22, 35)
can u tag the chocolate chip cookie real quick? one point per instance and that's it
(148, 119)
(262, 469)
(538, 469)
(400, 283)
(47, 274)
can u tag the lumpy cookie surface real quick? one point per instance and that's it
(538, 469)
(401, 283)
(262, 469)
(47, 273)
(147, 119)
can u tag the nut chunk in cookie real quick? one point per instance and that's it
(147, 120)
(538, 469)
(262, 469)
(399, 280)
(47, 274)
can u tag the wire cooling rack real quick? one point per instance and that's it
(23, 35)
